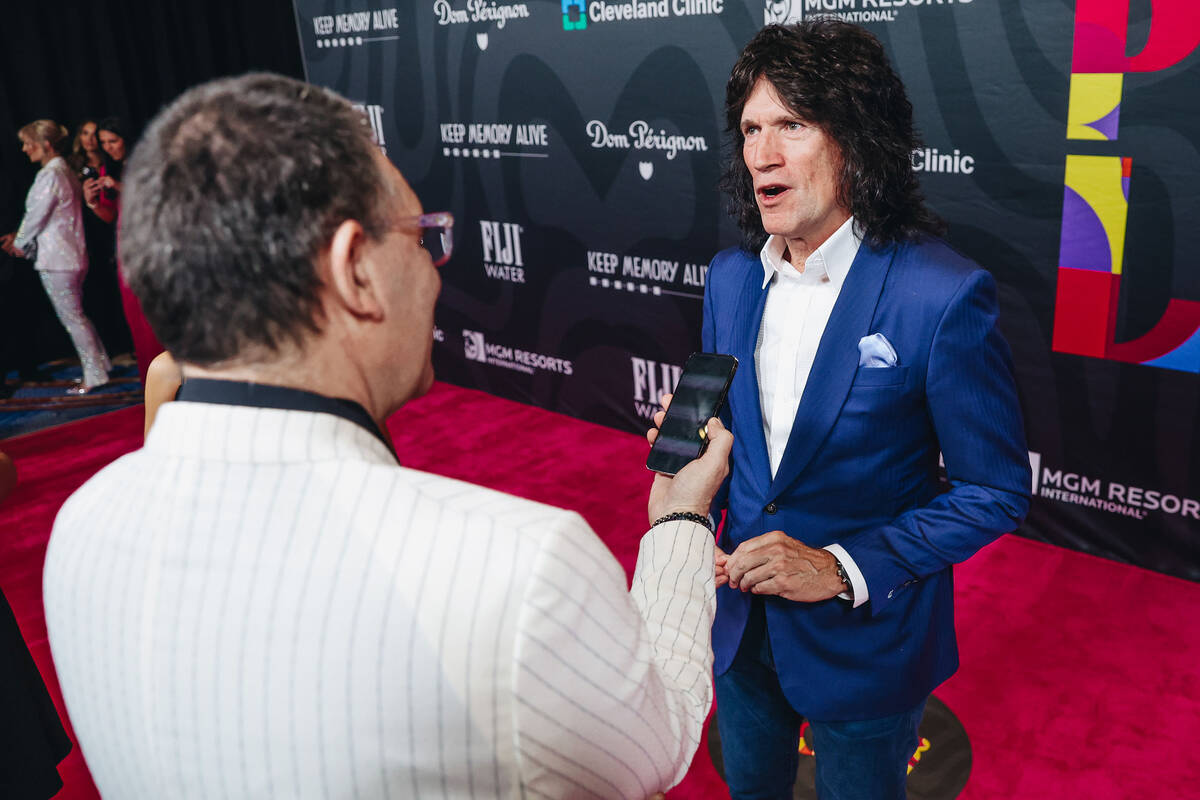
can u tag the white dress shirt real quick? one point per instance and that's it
(797, 310)
(260, 603)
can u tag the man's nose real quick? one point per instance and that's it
(765, 152)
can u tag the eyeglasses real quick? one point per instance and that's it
(436, 234)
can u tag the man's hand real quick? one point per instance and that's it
(777, 564)
(693, 487)
(720, 558)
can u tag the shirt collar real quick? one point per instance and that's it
(262, 395)
(831, 261)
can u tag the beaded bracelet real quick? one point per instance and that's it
(687, 516)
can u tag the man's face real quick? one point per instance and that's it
(113, 145)
(411, 288)
(795, 167)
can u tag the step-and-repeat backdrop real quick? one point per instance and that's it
(578, 144)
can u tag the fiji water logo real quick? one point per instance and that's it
(374, 115)
(1092, 254)
(502, 256)
(651, 380)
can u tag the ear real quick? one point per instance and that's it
(350, 273)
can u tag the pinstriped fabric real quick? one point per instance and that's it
(259, 603)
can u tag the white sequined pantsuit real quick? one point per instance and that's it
(65, 290)
(52, 234)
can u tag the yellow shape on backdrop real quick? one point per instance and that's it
(1097, 179)
(1093, 96)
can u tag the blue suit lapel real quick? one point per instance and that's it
(743, 394)
(835, 364)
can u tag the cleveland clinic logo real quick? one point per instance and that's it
(577, 13)
(574, 15)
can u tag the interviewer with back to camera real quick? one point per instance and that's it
(262, 602)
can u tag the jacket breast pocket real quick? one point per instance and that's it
(880, 376)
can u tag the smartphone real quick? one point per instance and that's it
(698, 397)
(90, 172)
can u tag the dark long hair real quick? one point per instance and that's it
(113, 125)
(834, 75)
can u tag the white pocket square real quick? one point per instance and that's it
(876, 351)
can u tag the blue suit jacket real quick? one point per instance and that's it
(861, 469)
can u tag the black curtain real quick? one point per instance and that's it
(68, 61)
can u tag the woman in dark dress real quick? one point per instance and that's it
(101, 293)
(103, 198)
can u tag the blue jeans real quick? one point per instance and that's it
(760, 735)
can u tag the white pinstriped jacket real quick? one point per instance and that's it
(260, 604)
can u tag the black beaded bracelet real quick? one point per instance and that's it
(687, 516)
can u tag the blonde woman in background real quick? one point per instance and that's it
(51, 234)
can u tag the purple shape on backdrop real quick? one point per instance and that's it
(1125, 187)
(1109, 124)
(1084, 244)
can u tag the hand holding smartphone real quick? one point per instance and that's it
(698, 397)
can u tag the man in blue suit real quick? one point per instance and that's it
(868, 347)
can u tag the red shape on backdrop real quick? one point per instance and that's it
(1086, 317)
(1085, 311)
(1101, 33)
(1179, 323)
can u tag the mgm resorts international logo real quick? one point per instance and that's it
(576, 14)
(374, 115)
(494, 140)
(650, 381)
(356, 28)
(1110, 496)
(641, 136)
(786, 11)
(502, 258)
(479, 11)
(477, 348)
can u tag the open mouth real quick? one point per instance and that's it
(773, 190)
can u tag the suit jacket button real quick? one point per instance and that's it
(771, 508)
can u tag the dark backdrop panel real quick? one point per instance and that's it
(70, 60)
(578, 143)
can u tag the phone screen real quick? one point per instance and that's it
(698, 397)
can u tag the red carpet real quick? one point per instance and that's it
(1080, 677)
